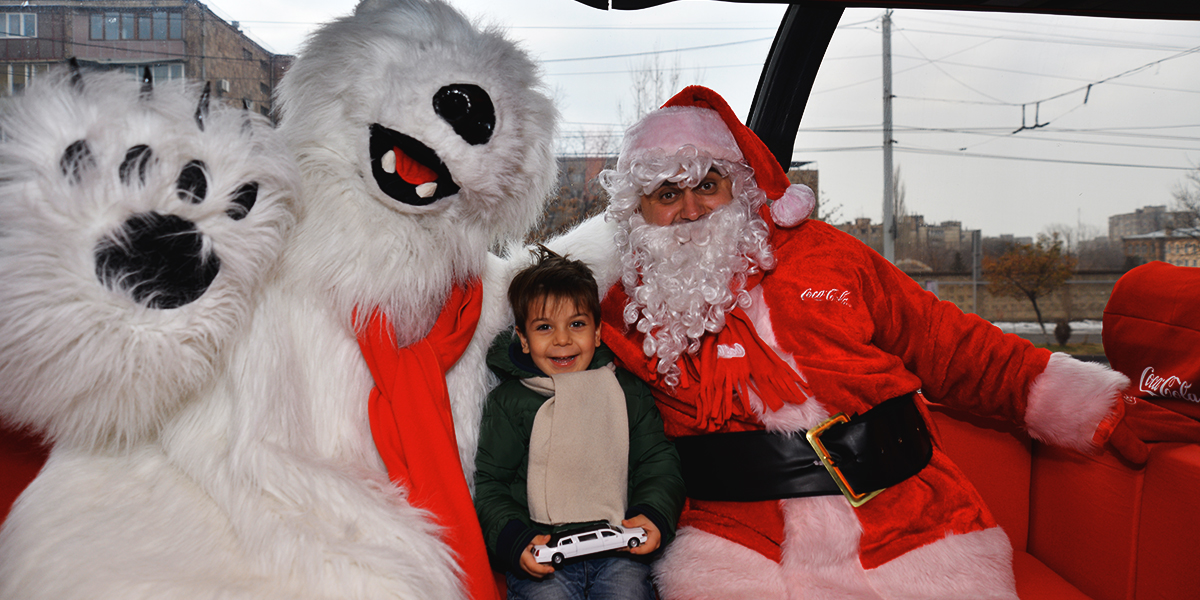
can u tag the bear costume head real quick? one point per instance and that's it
(412, 128)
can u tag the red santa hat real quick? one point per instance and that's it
(699, 117)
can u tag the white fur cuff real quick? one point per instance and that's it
(1069, 399)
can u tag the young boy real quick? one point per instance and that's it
(567, 438)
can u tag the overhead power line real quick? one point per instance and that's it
(963, 19)
(807, 152)
(1036, 159)
(1032, 74)
(1056, 39)
(652, 52)
(1125, 73)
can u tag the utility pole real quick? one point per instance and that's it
(976, 267)
(889, 202)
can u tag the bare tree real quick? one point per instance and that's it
(827, 211)
(1187, 201)
(1064, 233)
(1101, 254)
(1089, 245)
(905, 234)
(910, 242)
(652, 83)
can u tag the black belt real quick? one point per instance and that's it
(862, 455)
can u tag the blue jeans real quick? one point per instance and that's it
(615, 578)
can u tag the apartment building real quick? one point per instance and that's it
(1147, 219)
(1180, 247)
(174, 38)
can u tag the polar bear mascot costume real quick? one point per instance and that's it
(421, 141)
(322, 454)
(136, 224)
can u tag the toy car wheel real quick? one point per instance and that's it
(557, 559)
(634, 543)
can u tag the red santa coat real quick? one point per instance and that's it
(861, 331)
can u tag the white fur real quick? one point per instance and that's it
(102, 373)
(84, 364)
(303, 480)
(976, 565)
(1069, 399)
(593, 242)
(701, 566)
(256, 476)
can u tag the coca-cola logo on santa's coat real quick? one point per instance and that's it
(831, 295)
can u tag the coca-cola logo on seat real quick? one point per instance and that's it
(1166, 387)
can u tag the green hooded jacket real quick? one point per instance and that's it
(655, 485)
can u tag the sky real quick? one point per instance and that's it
(1008, 123)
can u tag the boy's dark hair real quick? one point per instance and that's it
(553, 276)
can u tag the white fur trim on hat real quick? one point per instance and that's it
(667, 130)
(796, 204)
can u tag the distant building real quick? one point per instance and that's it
(945, 246)
(174, 38)
(1148, 219)
(1180, 247)
(1008, 238)
(865, 231)
(947, 234)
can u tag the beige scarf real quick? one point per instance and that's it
(579, 449)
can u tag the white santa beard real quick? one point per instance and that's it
(679, 278)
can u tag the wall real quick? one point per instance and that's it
(1082, 298)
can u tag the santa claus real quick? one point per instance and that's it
(755, 326)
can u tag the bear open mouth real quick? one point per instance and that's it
(407, 170)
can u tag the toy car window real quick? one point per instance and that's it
(590, 536)
(564, 542)
(608, 534)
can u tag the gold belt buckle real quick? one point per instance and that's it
(814, 439)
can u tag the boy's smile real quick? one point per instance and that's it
(560, 338)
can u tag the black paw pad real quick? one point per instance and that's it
(192, 185)
(159, 259)
(137, 160)
(243, 201)
(75, 159)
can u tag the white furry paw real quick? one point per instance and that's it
(137, 222)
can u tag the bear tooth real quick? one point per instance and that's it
(426, 190)
(388, 162)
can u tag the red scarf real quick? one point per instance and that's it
(414, 428)
(707, 379)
